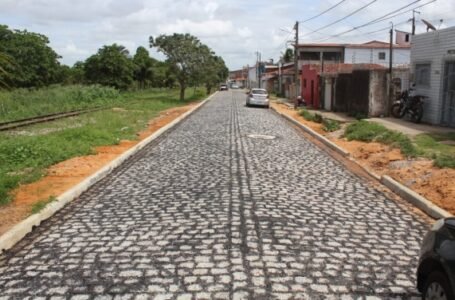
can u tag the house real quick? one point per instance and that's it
(433, 72)
(351, 78)
(376, 52)
(239, 77)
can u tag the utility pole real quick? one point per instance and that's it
(391, 51)
(391, 66)
(260, 69)
(414, 21)
(296, 58)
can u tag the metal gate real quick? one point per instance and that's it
(448, 110)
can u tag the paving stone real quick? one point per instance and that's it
(207, 212)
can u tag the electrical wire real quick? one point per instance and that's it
(381, 19)
(345, 17)
(325, 11)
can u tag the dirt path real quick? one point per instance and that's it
(67, 174)
(435, 184)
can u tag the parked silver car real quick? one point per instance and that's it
(258, 97)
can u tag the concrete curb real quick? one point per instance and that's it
(407, 194)
(314, 134)
(20, 230)
(414, 198)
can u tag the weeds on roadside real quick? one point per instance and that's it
(330, 125)
(372, 132)
(40, 205)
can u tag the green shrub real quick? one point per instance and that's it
(306, 115)
(318, 118)
(445, 161)
(330, 125)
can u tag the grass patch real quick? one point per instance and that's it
(310, 116)
(27, 103)
(330, 125)
(40, 205)
(372, 132)
(24, 158)
(442, 154)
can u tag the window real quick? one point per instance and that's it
(304, 83)
(381, 55)
(310, 55)
(406, 38)
(331, 56)
(422, 74)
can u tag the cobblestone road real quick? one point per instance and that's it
(209, 212)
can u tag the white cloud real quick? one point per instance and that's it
(209, 28)
(234, 29)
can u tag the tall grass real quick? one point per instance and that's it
(27, 103)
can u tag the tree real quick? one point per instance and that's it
(143, 63)
(5, 63)
(185, 54)
(215, 72)
(110, 66)
(35, 63)
(288, 55)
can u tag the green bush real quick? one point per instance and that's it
(330, 125)
(318, 118)
(306, 115)
(445, 161)
(372, 132)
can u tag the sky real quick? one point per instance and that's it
(234, 29)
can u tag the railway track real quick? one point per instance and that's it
(43, 119)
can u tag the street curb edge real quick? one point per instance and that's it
(314, 134)
(20, 230)
(421, 202)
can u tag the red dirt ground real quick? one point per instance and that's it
(66, 174)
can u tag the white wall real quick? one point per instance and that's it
(432, 47)
(252, 78)
(371, 56)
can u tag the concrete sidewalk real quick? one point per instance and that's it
(409, 128)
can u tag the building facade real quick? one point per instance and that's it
(433, 72)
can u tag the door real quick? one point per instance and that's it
(448, 110)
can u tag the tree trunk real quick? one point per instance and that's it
(182, 92)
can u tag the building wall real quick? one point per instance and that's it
(252, 78)
(378, 99)
(371, 56)
(432, 47)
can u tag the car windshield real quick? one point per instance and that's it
(259, 92)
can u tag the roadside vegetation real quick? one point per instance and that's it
(438, 147)
(327, 124)
(26, 103)
(27, 153)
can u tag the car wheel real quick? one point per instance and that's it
(437, 287)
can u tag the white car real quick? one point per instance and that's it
(258, 97)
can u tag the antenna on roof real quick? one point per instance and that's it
(429, 25)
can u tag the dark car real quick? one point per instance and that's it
(436, 270)
(223, 87)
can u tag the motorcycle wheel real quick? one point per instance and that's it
(418, 113)
(397, 110)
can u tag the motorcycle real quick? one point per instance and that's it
(408, 104)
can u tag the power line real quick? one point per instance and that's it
(325, 11)
(345, 17)
(382, 18)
